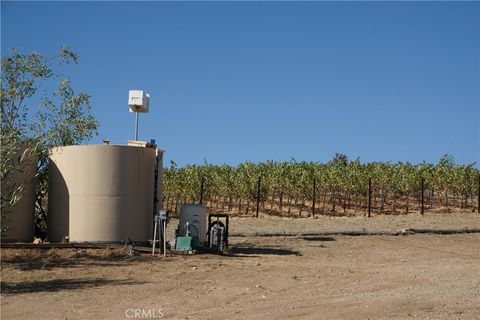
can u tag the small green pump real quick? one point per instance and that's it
(188, 243)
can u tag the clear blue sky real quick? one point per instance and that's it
(240, 81)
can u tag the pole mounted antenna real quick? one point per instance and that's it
(138, 101)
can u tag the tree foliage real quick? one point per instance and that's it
(37, 118)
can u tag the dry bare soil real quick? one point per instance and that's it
(326, 277)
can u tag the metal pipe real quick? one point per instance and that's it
(136, 126)
(154, 237)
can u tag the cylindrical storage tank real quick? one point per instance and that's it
(21, 217)
(196, 215)
(101, 193)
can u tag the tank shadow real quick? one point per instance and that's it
(254, 250)
(58, 219)
(58, 285)
(319, 238)
(48, 260)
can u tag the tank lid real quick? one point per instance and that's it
(142, 144)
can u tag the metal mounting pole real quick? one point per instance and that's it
(136, 126)
(165, 239)
(154, 235)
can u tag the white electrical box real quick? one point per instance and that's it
(138, 101)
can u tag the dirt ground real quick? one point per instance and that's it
(387, 223)
(337, 277)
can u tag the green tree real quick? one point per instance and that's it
(59, 118)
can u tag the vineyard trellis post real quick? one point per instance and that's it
(369, 197)
(314, 196)
(478, 200)
(258, 194)
(201, 189)
(422, 182)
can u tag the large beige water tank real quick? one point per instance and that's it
(196, 215)
(21, 217)
(102, 193)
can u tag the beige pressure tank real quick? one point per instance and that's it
(102, 193)
(21, 217)
(196, 216)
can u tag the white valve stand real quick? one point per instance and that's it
(161, 226)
